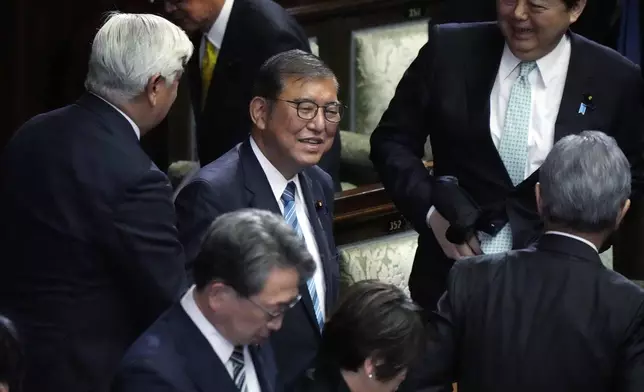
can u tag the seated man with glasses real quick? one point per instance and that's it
(295, 114)
(246, 277)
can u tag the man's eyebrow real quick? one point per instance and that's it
(304, 99)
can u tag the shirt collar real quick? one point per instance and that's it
(585, 241)
(275, 179)
(137, 131)
(549, 66)
(223, 348)
(218, 29)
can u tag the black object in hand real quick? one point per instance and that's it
(458, 207)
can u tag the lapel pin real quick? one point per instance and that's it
(319, 205)
(586, 103)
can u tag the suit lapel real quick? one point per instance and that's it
(481, 76)
(194, 75)
(311, 197)
(578, 83)
(201, 362)
(260, 194)
(480, 81)
(266, 381)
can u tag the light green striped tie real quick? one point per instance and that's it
(513, 148)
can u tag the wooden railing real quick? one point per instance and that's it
(364, 213)
(367, 212)
(327, 9)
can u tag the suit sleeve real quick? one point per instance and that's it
(139, 380)
(292, 37)
(439, 367)
(152, 261)
(629, 132)
(397, 143)
(632, 365)
(196, 210)
(329, 195)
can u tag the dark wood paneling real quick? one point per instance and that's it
(324, 10)
(49, 58)
(367, 212)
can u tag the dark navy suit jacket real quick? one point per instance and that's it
(174, 356)
(548, 318)
(91, 255)
(236, 181)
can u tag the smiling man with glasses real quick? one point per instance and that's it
(247, 276)
(295, 113)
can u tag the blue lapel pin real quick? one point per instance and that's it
(586, 103)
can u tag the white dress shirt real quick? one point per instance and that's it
(137, 131)
(547, 84)
(223, 348)
(585, 241)
(217, 30)
(278, 185)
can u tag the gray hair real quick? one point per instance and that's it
(270, 79)
(585, 182)
(242, 247)
(129, 49)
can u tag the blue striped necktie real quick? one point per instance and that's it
(288, 199)
(239, 374)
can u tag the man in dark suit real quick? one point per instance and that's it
(234, 38)
(493, 98)
(88, 226)
(549, 318)
(246, 277)
(295, 116)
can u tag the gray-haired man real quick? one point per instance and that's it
(87, 227)
(550, 318)
(246, 277)
(295, 113)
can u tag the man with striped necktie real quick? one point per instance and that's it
(295, 115)
(247, 275)
(233, 39)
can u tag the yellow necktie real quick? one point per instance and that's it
(207, 66)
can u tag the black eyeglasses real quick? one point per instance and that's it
(270, 315)
(307, 110)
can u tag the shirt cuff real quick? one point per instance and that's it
(429, 214)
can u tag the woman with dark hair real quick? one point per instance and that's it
(11, 357)
(370, 341)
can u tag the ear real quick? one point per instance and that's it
(153, 87)
(369, 368)
(537, 194)
(575, 12)
(218, 294)
(259, 111)
(622, 213)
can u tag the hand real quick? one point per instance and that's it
(439, 226)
